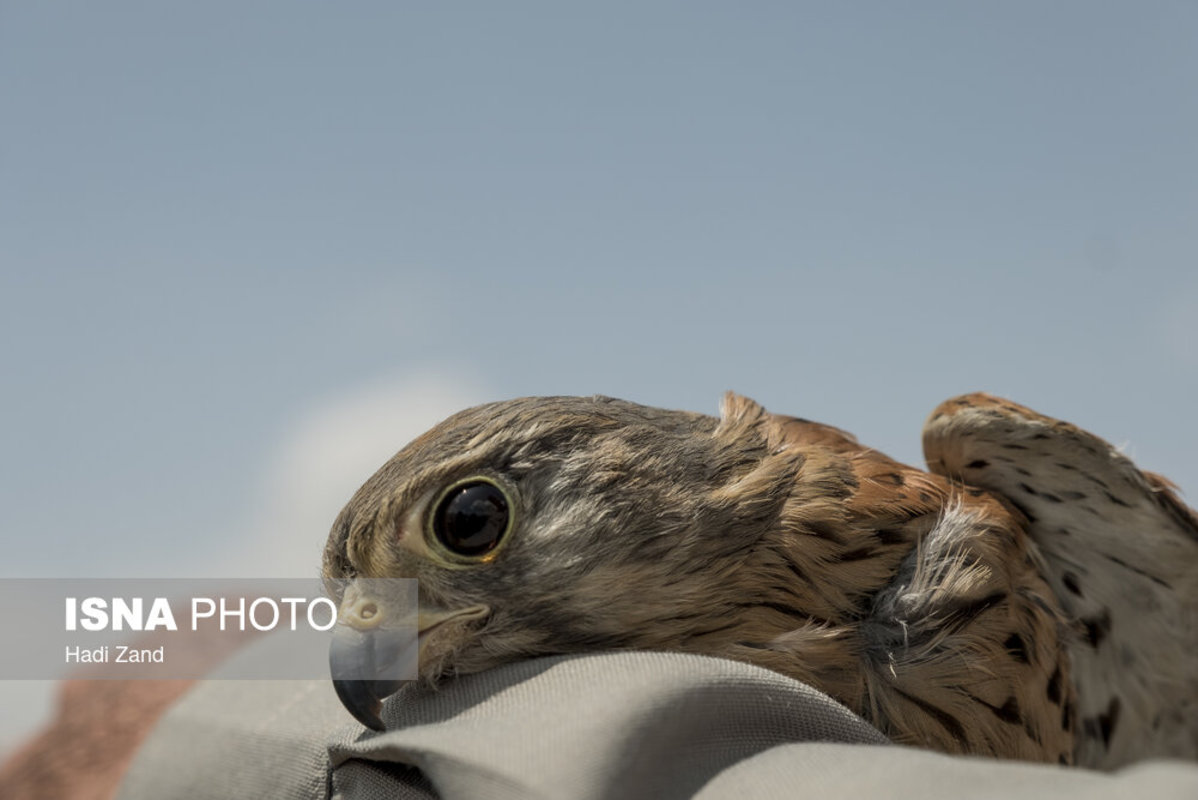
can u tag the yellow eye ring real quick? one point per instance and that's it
(470, 520)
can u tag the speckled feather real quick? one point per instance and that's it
(918, 601)
(1121, 554)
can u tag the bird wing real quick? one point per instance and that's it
(955, 634)
(1121, 554)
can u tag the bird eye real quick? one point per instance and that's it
(472, 518)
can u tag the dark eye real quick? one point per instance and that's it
(472, 518)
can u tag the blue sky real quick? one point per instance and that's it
(248, 249)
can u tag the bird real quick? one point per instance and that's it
(1031, 595)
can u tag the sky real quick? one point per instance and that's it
(249, 250)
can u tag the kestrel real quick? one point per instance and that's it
(1033, 596)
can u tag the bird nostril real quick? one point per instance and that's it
(362, 614)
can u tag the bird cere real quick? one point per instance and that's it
(1032, 594)
(260, 613)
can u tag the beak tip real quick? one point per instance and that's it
(361, 702)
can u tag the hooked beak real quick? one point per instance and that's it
(355, 652)
(372, 655)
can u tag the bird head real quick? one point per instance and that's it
(553, 525)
